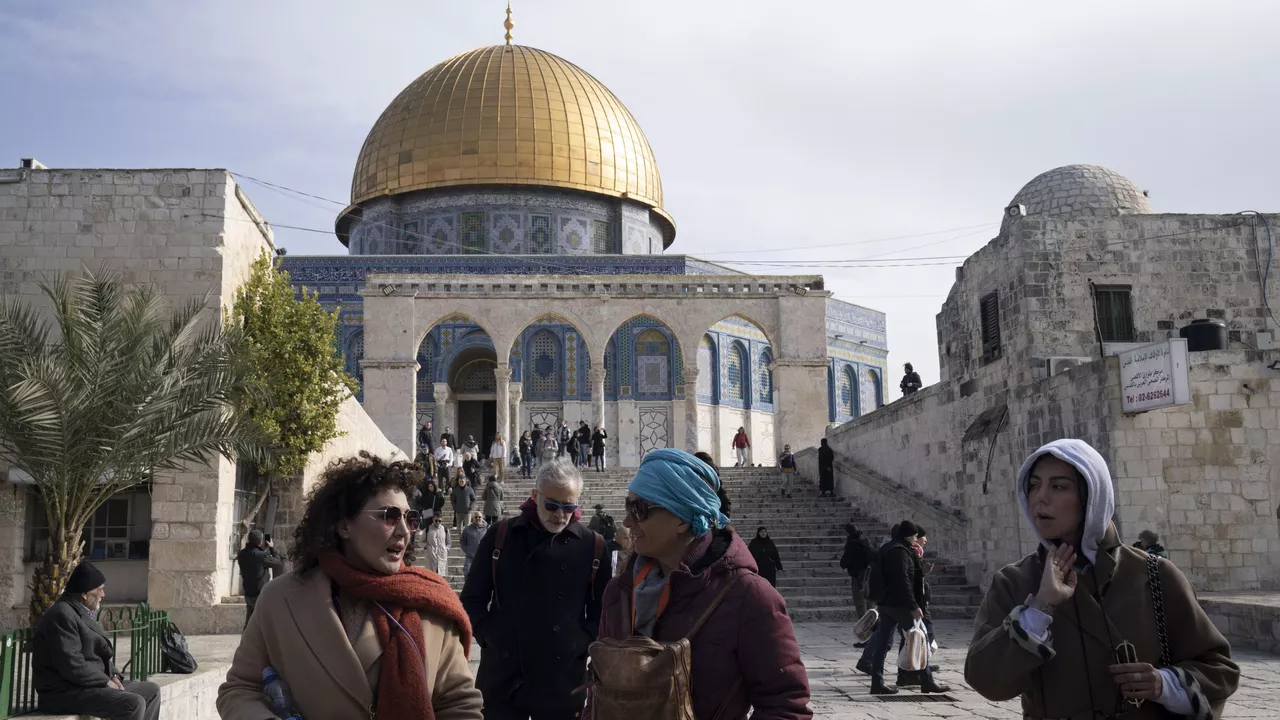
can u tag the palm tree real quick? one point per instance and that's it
(111, 389)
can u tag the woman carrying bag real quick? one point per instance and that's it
(1087, 626)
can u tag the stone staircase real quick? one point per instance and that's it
(808, 530)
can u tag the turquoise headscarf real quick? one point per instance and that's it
(682, 485)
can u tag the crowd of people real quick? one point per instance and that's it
(671, 609)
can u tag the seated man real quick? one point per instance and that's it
(72, 668)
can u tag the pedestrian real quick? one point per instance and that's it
(549, 446)
(448, 435)
(574, 449)
(1052, 626)
(787, 462)
(73, 668)
(431, 502)
(258, 559)
(597, 446)
(603, 524)
(470, 541)
(687, 566)
(355, 630)
(444, 461)
(493, 500)
(826, 470)
(534, 598)
(498, 457)
(855, 561)
(427, 444)
(527, 453)
(765, 553)
(907, 678)
(900, 602)
(622, 552)
(438, 548)
(462, 499)
(584, 444)
(910, 380)
(471, 470)
(562, 438)
(470, 446)
(742, 448)
(1149, 541)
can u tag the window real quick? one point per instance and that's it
(990, 311)
(707, 369)
(544, 362)
(847, 383)
(1114, 314)
(736, 380)
(653, 365)
(473, 233)
(109, 534)
(540, 237)
(355, 351)
(426, 372)
(601, 238)
(765, 379)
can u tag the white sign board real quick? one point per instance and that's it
(1154, 376)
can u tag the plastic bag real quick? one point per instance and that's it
(915, 651)
(866, 625)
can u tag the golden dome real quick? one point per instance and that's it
(507, 115)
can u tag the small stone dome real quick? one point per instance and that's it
(1080, 191)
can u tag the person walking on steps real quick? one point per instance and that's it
(493, 493)
(536, 438)
(462, 499)
(765, 553)
(742, 448)
(787, 462)
(855, 561)
(431, 502)
(584, 444)
(597, 446)
(526, 455)
(427, 443)
(562, 438)
(826, 470)
(1087, 626)
(899, 594)
(470, 541)
(498, 457)
(444, 461)
(907, 678)
(437, 542)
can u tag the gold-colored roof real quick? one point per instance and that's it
(507, 115)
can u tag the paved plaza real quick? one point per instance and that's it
(840, 691)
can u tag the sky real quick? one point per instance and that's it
(878, 130)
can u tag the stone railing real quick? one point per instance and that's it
(1248, 620)
(441, 286)
(892, 502)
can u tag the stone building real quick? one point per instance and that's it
(507, 208)
(1082, 269)
(187, 233)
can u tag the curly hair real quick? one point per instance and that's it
(347, 485)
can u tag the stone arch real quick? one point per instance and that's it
(652, 371)
(872, 390)
(575, 354)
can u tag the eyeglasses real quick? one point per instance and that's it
(552, 506)
(391, 515)
(639, 508)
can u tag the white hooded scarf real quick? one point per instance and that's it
(1102, 503)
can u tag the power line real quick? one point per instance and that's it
(852, 242)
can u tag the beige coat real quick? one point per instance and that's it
(295, 629)
(1057, 680)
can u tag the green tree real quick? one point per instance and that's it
(106, 390)
(294, 361)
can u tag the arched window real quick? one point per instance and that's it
(877, 389)
(426, 370)
(477, 377)
(543, 367)
(869, 391)
(847, 384)
(653, 365)
(764, 379)
(736, 371)
(707, 366)
(355, 352)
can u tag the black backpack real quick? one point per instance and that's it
(875, 576)
(173, 646)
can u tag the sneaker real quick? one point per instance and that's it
(882, 689)
(934, 687)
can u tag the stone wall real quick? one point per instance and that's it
(1203, 475)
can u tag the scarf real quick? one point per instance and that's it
(402, 678)
(683, 485)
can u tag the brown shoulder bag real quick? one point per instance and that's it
(639, 678)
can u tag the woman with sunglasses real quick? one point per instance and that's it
(355, 630)
(1087, 626)
(745, 656)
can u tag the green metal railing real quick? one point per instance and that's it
(144, 626)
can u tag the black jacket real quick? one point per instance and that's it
(535, 639)
(70, 650)
(562, 435)
(256, 565)
(424, 438)
(910, 383)
(432, 500)
(903, 580)
(449, 437)
(526, 446)
(597, 442)
(857, 555)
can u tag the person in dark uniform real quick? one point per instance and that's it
(257, 560)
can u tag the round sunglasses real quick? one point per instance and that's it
(639, 508)
(390, 516)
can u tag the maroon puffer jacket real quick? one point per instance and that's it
(749, 636)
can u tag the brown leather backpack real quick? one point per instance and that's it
(639, 678)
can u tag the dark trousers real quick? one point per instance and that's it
(502, 711)
(562, 446)
(526, 465)
(138, 701)
(891, 619)
(599, 462)
(249, 603)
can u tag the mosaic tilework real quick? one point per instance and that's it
(855, 315)
(764, 382)
(355, 353)
(472, 235)
(653, 360)
(426, 370)
(846, 393)
(477, 377)
(540, 235)
(706, 370)
(544, 362)
(601, 237)
(653, 428)
(571, 363)
(508, 233)
(611, 372)
(314, 270)
(735, 366)
(740, 327)
(625, 342)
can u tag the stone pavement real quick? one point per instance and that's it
(840, 692)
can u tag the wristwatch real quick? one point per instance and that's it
(1036, 604)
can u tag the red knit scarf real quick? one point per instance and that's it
(402, 679)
